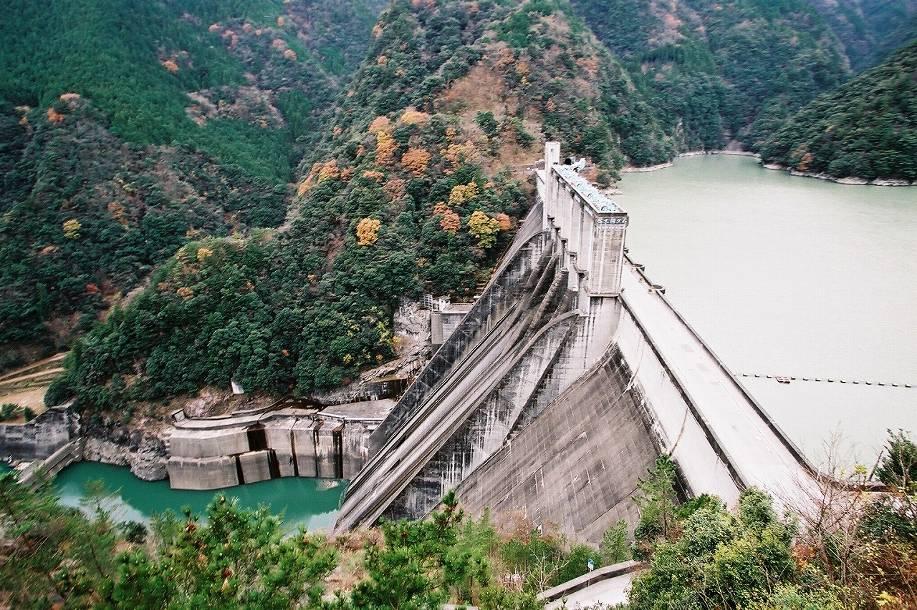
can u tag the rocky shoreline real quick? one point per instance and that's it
(851, 180)
(144, 454)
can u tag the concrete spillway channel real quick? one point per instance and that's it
(502, 294)
(427, 424)
(544, 319)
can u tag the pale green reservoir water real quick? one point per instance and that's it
(312, 503)
(791, 276)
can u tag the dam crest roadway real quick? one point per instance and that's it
(563, 383)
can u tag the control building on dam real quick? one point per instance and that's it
(562, 384)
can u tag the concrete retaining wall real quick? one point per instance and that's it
(202, 473)
(208, 443)
(317, 446)
(53, 464)
(328, 450)
(40, 437)
(256, 466)
(280, 439)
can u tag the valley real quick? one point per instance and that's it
(454, 281)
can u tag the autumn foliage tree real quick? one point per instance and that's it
(385, 147)
(368, 231)
(484, 228)
(415, 160)
(449, 220)
(72, 228)
(462, 193)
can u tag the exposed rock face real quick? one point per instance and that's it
(150, 459)
(145, 454)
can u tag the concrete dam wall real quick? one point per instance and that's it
(544, 320)
(284, 443)
(576, 466)
(562, 384)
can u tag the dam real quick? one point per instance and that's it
(562, 384)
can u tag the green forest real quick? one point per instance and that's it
(866, 128)
(130, 129)
(847, 551)
(869, 30)
(717, 71)
(409, 195)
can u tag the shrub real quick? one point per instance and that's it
(8, 411)
(488, 124)
(899, 466)
(614, 546)
(134, 532)
(484, 228)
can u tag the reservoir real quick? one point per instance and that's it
(795, 277)
(311, 503)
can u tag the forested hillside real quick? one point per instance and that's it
(416, 191)
(866, 129)
(716, 71)
(127, 129)
(870, 29)
(408, 137)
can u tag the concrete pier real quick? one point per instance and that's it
(256, 466)
(203, 473)
(227, 451)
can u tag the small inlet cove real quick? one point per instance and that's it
(308, 503)
(810, 281)
(782, 276)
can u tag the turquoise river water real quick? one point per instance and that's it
(791, 276)
(311, 503)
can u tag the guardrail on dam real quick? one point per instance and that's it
(562, 384)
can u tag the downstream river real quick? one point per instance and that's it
(312, 503)
(791, 276)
